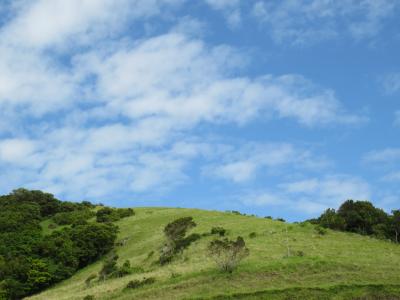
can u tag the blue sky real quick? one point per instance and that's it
(281, 108)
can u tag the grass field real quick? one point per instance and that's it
(333, 266)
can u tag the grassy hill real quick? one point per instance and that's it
(336, 265)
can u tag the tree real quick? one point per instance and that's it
(227, 253)
(361, 216)
(93, 240)
(330, 219)
(106, 214)
(48, 204)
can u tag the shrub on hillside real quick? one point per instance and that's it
(227, 253)
(77, 216)
(176, 240)
(320, 230)
(252, 235)
(134, 284)
(109, 266)
(89, 280)
(108, 214)
(218, 230)
(124, 270)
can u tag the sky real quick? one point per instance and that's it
(281, 108)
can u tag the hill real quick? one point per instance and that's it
(335, 265)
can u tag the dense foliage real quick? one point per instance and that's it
(31, 261)
(108, 214)
(364, 218)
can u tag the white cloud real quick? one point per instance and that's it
(305, 22)
(16, 151)
(331, 190)
(230, 9)
(46, 23)
(312, 195)
(387, 156)
(242, 164)
(115, 116)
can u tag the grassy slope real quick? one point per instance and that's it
(337, 265)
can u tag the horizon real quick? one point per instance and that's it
(282, 109)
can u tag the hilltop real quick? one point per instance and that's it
(334, 264)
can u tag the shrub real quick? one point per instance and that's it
(125, 212)
(134, 284)
(109, 266)
(177, 229)
(218, 230)
(175, 233)
(89, 280)
(280, 220)
(227, 253)
(124, 270)
(320, 230)
(252, 235)
(108, 214)
(88, 297)
(71, 217)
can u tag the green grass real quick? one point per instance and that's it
(334, 266)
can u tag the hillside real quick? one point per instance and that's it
(337, 264)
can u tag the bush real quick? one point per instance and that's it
(124, 270)
(320, 230)
(134, 284)
(109, 266)
(71, 217)
(218, 230)
(227, 254)
(252, 235)
(125, 212)
(88, 297)
(108, 214)
(89, 280)
(175, 233)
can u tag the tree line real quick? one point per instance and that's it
(362, 217)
